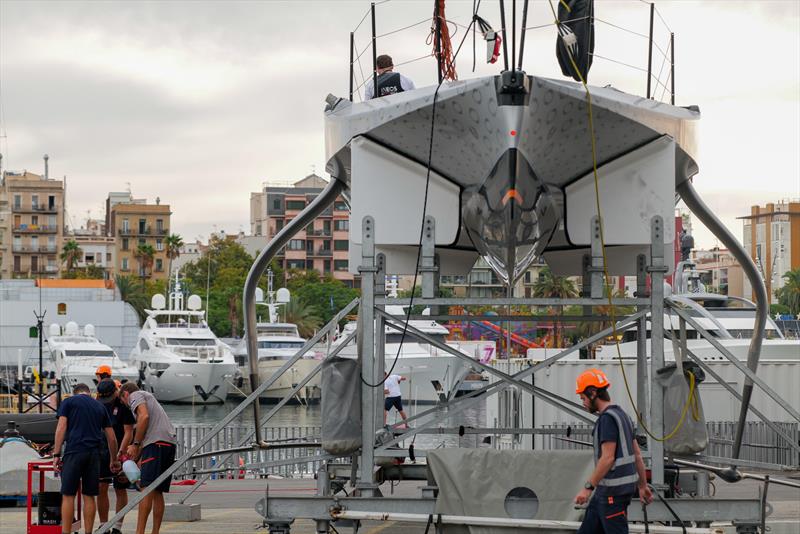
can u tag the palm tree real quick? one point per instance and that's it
(174, 244)
(131, 292)
(549, 286)
(71, 254)
(144, 255)
(789, 294)
(304, 316)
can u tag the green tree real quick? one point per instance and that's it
(549, 286)
(789, 294)
(130, 291)
(324, 294)
(71, 254)
(173, 244)
(304, 316)
(444, 292)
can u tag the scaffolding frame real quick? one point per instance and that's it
(325, 507)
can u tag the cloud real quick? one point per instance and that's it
(200, 102)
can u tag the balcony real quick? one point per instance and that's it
(34, 209)
(147, 231)
(318, 233)
(35, 229)
(324, 252)
(28, 249)
(41, 269)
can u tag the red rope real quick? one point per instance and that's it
(448, 63)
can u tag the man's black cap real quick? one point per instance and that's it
(105, 390)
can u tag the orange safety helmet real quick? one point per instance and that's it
(103, 369)
(592, 377)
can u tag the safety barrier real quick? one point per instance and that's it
(761, 444)
(232, 435)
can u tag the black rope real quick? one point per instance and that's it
(666, 504)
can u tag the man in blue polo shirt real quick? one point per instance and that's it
(82, 421)
(619, 468)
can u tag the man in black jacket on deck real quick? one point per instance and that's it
(389, 82)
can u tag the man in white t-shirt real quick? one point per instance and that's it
(391, 388)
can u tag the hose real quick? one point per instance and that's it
(693, 201)
(305, 217)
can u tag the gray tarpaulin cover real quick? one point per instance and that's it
(475, 482)
(692, 436)
(341, 406)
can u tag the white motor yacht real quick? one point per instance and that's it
(277, 343)
(180, 357)
(430, 373)
(75, 356)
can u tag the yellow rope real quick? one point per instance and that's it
(605, 262)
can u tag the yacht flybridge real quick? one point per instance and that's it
(76, 355)
(179, 357)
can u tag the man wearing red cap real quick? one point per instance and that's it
(619, 468)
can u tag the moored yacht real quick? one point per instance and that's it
(180, 358)
(431, 374)
(277, 343)
(76, 355)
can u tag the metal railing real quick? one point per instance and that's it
(34, 229)
(761, 444)
(231, 436)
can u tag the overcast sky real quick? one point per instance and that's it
(199, 103)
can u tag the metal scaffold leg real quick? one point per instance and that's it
(656, 419)
(369, 380)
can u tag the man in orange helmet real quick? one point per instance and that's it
(619, 468)
(104, 371)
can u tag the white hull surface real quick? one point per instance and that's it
(191, 383)
(288, 380)
(84, 373)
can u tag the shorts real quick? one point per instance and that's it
(157, 458)
(397, 402)
(606, 514)
(81, 469)
(106, 476)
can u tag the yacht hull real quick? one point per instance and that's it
(191, 383)
(73, 375)
(310, 393)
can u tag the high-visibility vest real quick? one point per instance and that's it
(621, 479)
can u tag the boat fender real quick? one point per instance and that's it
(461, 431)
(411, 455)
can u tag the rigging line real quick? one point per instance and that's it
(423, 21)
(362, 20)
(619, 62)
(663, 62)
(413, 60)
(550, 24)
(369, 45)
(360, 68)
(643, 36)
(663, 21)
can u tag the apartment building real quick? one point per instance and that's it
(134, 222)
(98, 248)
(31, 225)
(323, 245)
(771, 234)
